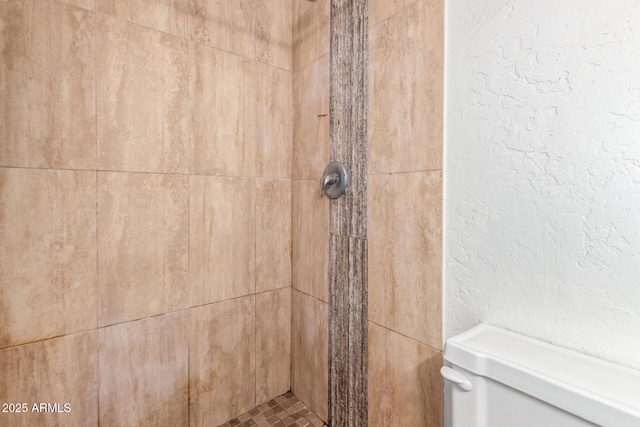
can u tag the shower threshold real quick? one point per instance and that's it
(283, 411)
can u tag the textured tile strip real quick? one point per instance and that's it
(283, 411)
(348, 223)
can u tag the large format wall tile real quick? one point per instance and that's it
(141, 128)
(310, 31)
(379, 10)
(142, 245)
(47, 76)
(222, 239)
(273, 32)
(311, 120)
(274, 134)
(169, 16)
(47, 254)
(62, 370)
(222, 100)
(405, 254)
(304, 33)
(405, 387)
(310, 352)
(310, 247)
(144, 372)
(273, 344)
(86, 4)
(406, 90)
(273, 234)
(222, 361)
(224, 24)
(323, 21)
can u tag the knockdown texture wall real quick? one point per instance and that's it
(145, 209)
(543, 172)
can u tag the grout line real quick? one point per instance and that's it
(190, 162)
(404, 172)
(310, 63)
(138, 24)
(95, 165)
(272, 66)
(139, 319)
(146, 173)
(291, 261)
(292, 212)
(38, 341)
(255, 298)
(190, 165)
(188, 322)
(187, 174)
(377, 24)
(200, 44)
(309, 295)
(294, 181)
(259, 178)
(48, 169)
(406, 336)
(150, 316)
(254, 189)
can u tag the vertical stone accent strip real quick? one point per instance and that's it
(348, 242)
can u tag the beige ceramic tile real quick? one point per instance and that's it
(86, 4)
(142, 98)
(311, 120)
(169, 16)
(405, 90)
(274, 122)
(405, 387)
(274, 32)
(224, 24)
(222, 361)
(47, 107)
(273, 344)
(60, 371)
(323, 27)
(144, 372)
(304, 33)
(142, 245)
(222, 239)
(379, 10)
(405, 254)
(310, 31)
(223, 116)
(310, 352)
(310, 247)
(273, 234)
(47, 254)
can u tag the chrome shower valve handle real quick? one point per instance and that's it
(334, 180)
(328, 180)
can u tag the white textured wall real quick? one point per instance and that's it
(542, 191)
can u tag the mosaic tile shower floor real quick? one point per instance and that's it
(283, 411)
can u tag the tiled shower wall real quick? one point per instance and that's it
(310, 261)
(405, 212)
(145, 209)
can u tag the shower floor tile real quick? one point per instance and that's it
(283, 411)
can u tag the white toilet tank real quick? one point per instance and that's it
(503, 379)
